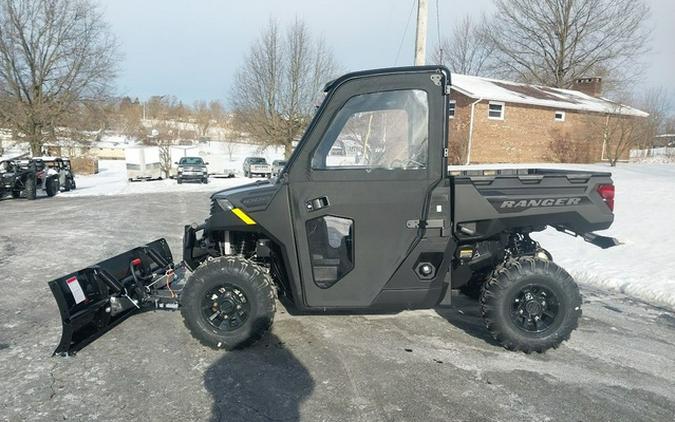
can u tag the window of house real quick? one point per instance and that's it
(559, 116)
(496, 110)
(451, 109)
(382, 130)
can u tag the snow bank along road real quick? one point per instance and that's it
(643, 267)
(422, 365)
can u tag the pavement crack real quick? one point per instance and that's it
(52, 384)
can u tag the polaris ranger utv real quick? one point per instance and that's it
(364, 217)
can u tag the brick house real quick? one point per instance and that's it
(495, 121)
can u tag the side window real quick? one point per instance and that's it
(331, 241)
(451, 109)
(383, 130)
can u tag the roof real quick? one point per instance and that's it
(537, 95)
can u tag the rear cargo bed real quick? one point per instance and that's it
(488, 201)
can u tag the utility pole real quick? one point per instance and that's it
(421, 37)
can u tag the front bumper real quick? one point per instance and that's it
(192, 176)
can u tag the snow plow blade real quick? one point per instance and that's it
(95, 299)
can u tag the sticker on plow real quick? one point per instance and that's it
(76, 289)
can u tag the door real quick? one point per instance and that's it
(363, 172)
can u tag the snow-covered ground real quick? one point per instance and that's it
(112, 180)
(643, 266)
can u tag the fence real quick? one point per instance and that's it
(658, 154)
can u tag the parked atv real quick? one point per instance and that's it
(27, 177)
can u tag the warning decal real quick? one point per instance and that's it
(76, 289)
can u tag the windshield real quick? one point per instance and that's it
(279, 163)
(257, 160)
(191, 160)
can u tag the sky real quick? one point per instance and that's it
(191, 49)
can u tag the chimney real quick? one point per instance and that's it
(589, 86)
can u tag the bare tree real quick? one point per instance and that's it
(564, 148)
(466, 50)
(205, 114)
(618, 133)
(165, 163)
(554, 42)
(274, 90)
(55, 55)
(656, 102)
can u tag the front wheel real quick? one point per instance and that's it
(228, 303)
(530, 305)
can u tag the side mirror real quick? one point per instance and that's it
(176, 162)
(206, 163)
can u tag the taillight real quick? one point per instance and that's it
(607, 194)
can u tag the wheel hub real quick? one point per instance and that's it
(534, 308)
(225, 307)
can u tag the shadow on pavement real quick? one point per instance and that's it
(464, 313)
(262, 382)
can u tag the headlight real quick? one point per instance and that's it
(224, 204)
(180, 170)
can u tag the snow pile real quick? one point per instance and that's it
(644, 265)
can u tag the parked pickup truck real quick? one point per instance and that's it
(192, 169)
(256, 166)
(380, 227)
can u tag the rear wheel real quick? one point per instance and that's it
(530, 305)
(228, 303)
(30, 188)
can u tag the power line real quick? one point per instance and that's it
(412, 7)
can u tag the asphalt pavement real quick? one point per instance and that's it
(413, 366)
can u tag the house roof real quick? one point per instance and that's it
(537, 95)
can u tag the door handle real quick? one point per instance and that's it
(317, 203)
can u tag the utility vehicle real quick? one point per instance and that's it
(382, 226)
(62, 167)
(27, 176)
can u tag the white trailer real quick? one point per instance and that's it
(143, 163)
